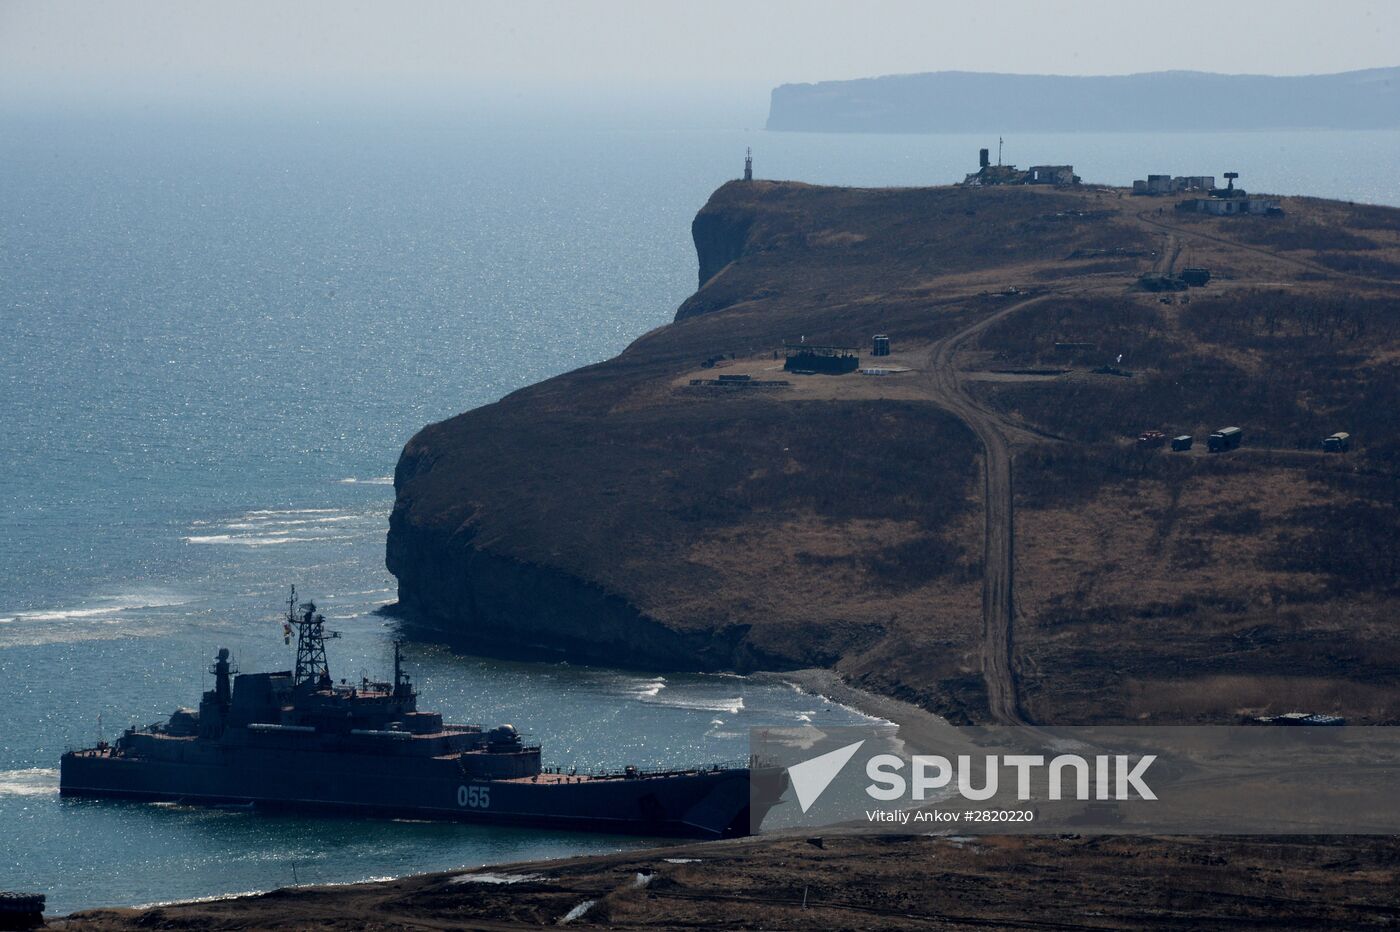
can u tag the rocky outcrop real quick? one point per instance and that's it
(721, 233)
(503, 605)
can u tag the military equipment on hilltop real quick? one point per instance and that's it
(297, 740)
(825, 360)
(1226, 438)
(1151, 439)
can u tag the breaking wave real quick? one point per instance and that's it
(246, 540)
(31, 781)
(107, 605)
(647, 689)
(271, 527)
(699, 704)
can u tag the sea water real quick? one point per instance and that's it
(215, 337)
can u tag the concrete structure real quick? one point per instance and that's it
(1155, 185)
(988, 174)
(1231, 206)
(1052, 174)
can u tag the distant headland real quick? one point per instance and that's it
(963, 101)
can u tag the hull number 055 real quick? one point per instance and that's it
(474, 797)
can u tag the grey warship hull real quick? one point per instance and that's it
(298, 740)
(691, 803)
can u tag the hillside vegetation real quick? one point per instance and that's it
(619, 514)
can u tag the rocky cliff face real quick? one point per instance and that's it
(450, 580)
(620, 515)
(720, 235)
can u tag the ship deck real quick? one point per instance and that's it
(564, 778)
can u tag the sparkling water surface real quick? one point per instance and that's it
(216, 335)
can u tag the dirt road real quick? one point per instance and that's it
(998, 603)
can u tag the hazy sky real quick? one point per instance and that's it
(150, 51)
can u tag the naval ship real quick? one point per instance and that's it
(298, 740)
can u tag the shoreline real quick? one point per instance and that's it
(816, 681)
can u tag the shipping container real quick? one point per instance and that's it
(1226, 438)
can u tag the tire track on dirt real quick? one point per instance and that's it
(998, 577)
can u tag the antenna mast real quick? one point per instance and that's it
(999, 142)
(311, 643)
(402, 686)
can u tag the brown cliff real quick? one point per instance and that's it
(619, 515)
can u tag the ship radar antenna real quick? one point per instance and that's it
(311, 642)
(402, 685)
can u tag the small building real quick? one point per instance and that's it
(1232, 206)
(1340, 442)
(1226, 438)
(1182, 443)
(827, 360)
(1195, 277)
(1159, 184)
(880, 345)
(989, 174)
(1168, 184)
(1052, 174)
(1194, 182)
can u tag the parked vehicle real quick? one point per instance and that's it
(1226, 438)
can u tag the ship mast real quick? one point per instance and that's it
(311, 643)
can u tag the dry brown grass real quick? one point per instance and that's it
(864, 883)
(837, 521)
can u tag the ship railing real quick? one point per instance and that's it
(711, 767)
